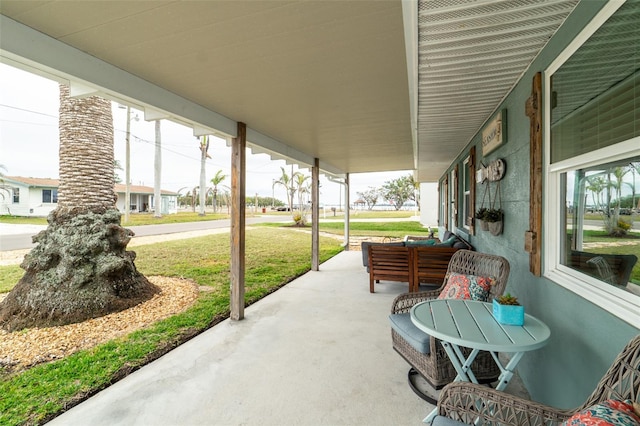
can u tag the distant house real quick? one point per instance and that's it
(27, 196)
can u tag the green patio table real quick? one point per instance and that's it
(471, 324)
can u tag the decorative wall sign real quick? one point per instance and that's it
(495, 133)
(493, 172)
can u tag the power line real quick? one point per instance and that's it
(28, 110)
(29, 122)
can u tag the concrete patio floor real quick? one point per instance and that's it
(316, 352)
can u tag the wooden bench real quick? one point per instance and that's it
(390, 263)
(430, 264)
(413, 265)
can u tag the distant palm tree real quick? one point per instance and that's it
(215, 181)
(287, 182)
(117, 166)
(79, 268)
(596, 185)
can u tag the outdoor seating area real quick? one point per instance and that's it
(425, 354)
(414, 261)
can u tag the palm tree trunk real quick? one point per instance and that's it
(79, 268)
(204, 147)
(86, 157)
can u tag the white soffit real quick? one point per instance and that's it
(471, 54)
(313, 79)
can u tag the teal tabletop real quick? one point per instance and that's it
(472, 324)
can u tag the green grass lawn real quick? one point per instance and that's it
(368, 229)
(385, 229)
(368, 214)
(20, 220)
(34, 395)
(136, 219)
(602, 237)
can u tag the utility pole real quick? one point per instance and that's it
(127, 169)
(157, 173)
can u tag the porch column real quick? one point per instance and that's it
(346, 212)
(238, 198)
(315, 216)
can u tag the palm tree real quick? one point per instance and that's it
(204, 154)
(215, 181)
(618, 173)
(117, 166)
(79, 268)
(287, 183)
(302, 187)
(596, 185)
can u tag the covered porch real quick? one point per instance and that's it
(317, 351)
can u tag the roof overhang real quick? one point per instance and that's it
(363, 86)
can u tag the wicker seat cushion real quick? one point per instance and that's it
(402, 324)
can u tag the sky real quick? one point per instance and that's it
(29, 143)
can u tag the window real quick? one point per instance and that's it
(592, 192)
(466, 194)
(49, 195)
(16, 195)
(453, 199)
(444, 199)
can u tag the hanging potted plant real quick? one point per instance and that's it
(480, 218)
(494, 217)
(507, 310)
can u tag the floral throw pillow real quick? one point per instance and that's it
(607, 413)
(460, 286)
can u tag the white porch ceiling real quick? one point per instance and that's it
(311, 79)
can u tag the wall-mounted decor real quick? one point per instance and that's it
(495, 132)
(493, 172)
(490, 215)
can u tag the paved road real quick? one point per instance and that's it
(16, 237)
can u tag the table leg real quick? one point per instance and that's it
(506, 371)
(462, 366)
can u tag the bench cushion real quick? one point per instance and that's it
(417, 338)
(421, 243)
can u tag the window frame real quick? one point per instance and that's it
(15, 195)
(444, 194)
(52, 199)
(466, 193)
(454, 188)
(620, 303)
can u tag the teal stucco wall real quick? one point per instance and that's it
(584, 338)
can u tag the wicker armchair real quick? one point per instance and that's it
(435, 366)
(470, 403)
